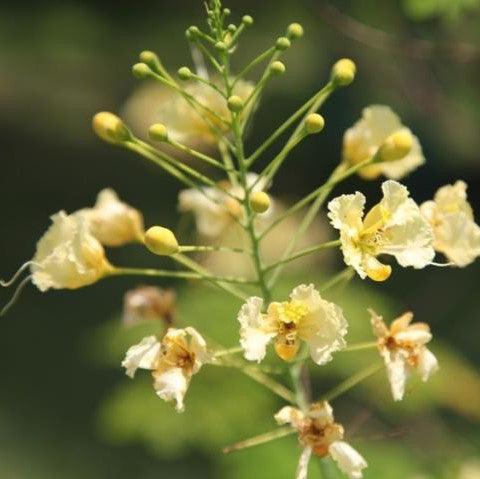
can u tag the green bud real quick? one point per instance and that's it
(283, 43)
(295, 31)
(158, 132)
(235, 103)
(221, 46)
(151, 59)
(247, 20)
(343, 72)
(110, 128)
(314, 123)
(232, 28)
(185, 73)
(227, 12)
(192, 32)
(277, 68)
(141, 70)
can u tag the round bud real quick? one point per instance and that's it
(295, 31)
(232, 28)
(158, 132)
(277, 68)
(283, 43)
(110, 127)
(343, 72)
(141, 70)
(150, 59)
(161, 241)
(192, 32)
(396, 146)
(185, 73)
(259, 201)
(314, 123)
(247, 20)
(235, 103)
(227, 12)
(221, 46)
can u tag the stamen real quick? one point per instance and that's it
(442, 265)
(20, 270)
(16, 295)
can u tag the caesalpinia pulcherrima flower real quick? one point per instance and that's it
(173, 361)
(305, 317)
(319, 434)
(394, 227)
(457, 235)
(367, 135)
(402, 346)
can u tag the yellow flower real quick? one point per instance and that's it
(305, 317)
(403, 349)
(173, 361)
(319, 434)
(457, 235)
(394, 227)
(368, 134)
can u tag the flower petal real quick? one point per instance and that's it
(427, 364)
(346, 212)
(171, 385)
(302, 468)
(396, 365)
(348, 459)
(143, 355)
(198, 347)
(290, 415)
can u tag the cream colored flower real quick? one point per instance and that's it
(306, 317)
(363, 140)
(394, 227)
(173, 361)
(319, 434)
(403, 349)
(113, 222)
(457, 235)
(67, 255)
(215, 211)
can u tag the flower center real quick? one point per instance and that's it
(291, 313)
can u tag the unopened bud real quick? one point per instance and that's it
(314, 123)
(282, 43)
(259, 201)
(235, 103)
(227, 12)
(192, 32)
(141, 70)
(161, 241)
(295, 31)
(396, 146)
(110, 127)
(277, 68)
(158, 132)
(343, 72)
(232, 28)
(185, 73)
(151, 59)
(221, 46)
(247, 20)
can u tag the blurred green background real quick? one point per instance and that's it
(66, 408)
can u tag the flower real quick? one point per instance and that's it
(306, 317)
(394, 226)
(173, 361)
(457, 235)
(403, 349)
(113, 222)
(67, 255)
(367, 135)
(320, 435)
(214, 209)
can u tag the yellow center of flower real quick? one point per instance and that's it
(292, 312)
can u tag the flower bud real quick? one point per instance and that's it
(343, 72)
(151, 59)
(235, 103)
(161, 241)
(314, 123)
(232, 28)
(259, 201)
(110, 127)
(185, 73)
(227, 12)
(247, 20)
(277, 68)
(396, 146)
(282, 43)
(158, 132)
(221, 46)
(295, 31)
(192, 32)
(141, 70)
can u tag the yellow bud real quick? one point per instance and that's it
(247, 20)
(282, 43)
(314, 123)
(295, 31)
(343, 72)
(161, 241)
(141, 70)
(158, 132)
(277, 68)
(396, 146)
(151, 59)
(235, 103)
(259, 201)
(110, 127)
(185, 73)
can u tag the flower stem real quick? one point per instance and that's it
(343, 277)
(261, 439)
(199, 248)
(360, 346)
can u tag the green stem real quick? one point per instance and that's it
(360, 346)
(254, 63)
(343, 276)
(260, 439)
(227, 352)
(200, 248)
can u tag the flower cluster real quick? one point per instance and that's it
(211, 113)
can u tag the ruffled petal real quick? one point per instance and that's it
(289, 415)
(198, 347)
(143, 355)
(346, 212)
(427, 364)
(171, 385)
(348, 459)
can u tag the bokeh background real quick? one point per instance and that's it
(66, 408)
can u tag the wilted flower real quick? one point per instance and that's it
(363, 140)
(149, 303)
(306, 317)
(113, 222)
(320, 434)
(67, 255)
(173, 361)
(403, 349)
(394, 226)
(457, 235)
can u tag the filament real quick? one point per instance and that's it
(16, 275)
(442, 265)
(16, 295)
